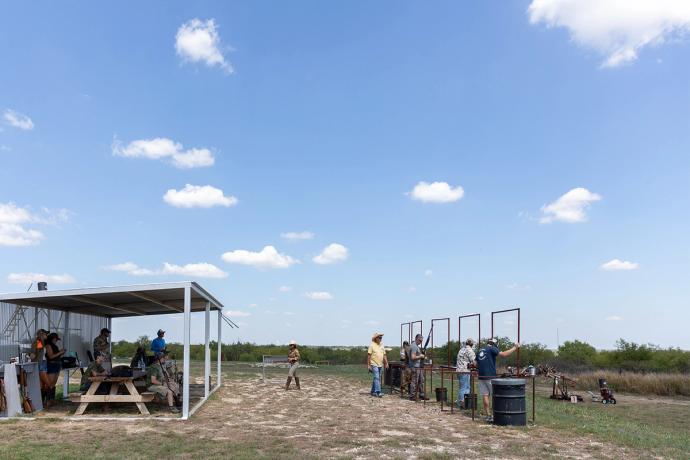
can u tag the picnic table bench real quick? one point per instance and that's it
(133, 397)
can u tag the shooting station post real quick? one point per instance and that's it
(91, 309)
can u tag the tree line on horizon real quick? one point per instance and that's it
(571, 356)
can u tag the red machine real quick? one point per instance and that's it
(606, 393)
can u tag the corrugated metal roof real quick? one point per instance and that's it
(119, 301)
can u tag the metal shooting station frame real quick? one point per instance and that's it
(509, 310)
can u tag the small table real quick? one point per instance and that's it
(133, 397)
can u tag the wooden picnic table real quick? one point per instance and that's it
(133, 397)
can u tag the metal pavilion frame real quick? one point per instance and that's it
(140, 292)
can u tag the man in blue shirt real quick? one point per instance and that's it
(486, 369)
(158, 344)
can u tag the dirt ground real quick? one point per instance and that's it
(332, 417)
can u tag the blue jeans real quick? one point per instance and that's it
(376, 384)
(464, 382)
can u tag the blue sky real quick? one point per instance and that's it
(556, 135)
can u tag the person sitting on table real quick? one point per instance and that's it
(157, 383)
(158, 344)
(95, 369)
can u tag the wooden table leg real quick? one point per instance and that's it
(133, 391)
(91, 391)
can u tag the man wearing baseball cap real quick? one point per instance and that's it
(158, 344)
(102, 345)
(376, 360)
(486, 370)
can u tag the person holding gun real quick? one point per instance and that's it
(486, 370)
(157, 382)
(417, 358)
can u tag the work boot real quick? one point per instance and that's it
(297, 383)
(287, 384)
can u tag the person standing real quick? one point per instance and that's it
(102, 345)
(407, 370)
(486, 369)
(464, 359)
(417, 386)
(38, 355)
(158, 344)
(293, 359)
(53, 365)
(376, 360)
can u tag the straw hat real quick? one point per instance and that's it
(377, 334)
(292, 342)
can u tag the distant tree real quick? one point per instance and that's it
(577, 352)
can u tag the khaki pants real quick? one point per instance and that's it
(292, 372)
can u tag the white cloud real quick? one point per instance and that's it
(5, 148)
(616, 29)
(614, 318)
(18, 120)
(199, 41)
(617, 264)
(428, 272)
(14, 220)
(289, 313)
(319, 295)
(436, 192)
(331, 254)
(198, 196)
(27, 278)
(161, 148)
(268, 257)
(196, 270)
(372, 323)
(285, 288)
(236, 313)
(297, 235)
(479, 297)
(570, 207)
(411, 289)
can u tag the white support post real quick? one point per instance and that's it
(65, 344)
(220, 327)
(187, 333)
(207, 350)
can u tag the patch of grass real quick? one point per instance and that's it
(661, 428)
(636, 383)
(147, 446)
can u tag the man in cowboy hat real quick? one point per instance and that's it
(293, 359)
(376, 360)
(486, 370)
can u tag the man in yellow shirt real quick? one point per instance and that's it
(376, 360)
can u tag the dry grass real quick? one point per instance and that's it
(631, 382)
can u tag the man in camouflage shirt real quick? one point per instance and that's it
(465, 361)
(156, 383)
(95, 369)
(102, 345)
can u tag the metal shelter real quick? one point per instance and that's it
(137, 300)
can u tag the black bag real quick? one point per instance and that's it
(122, 371)
(68, 362)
